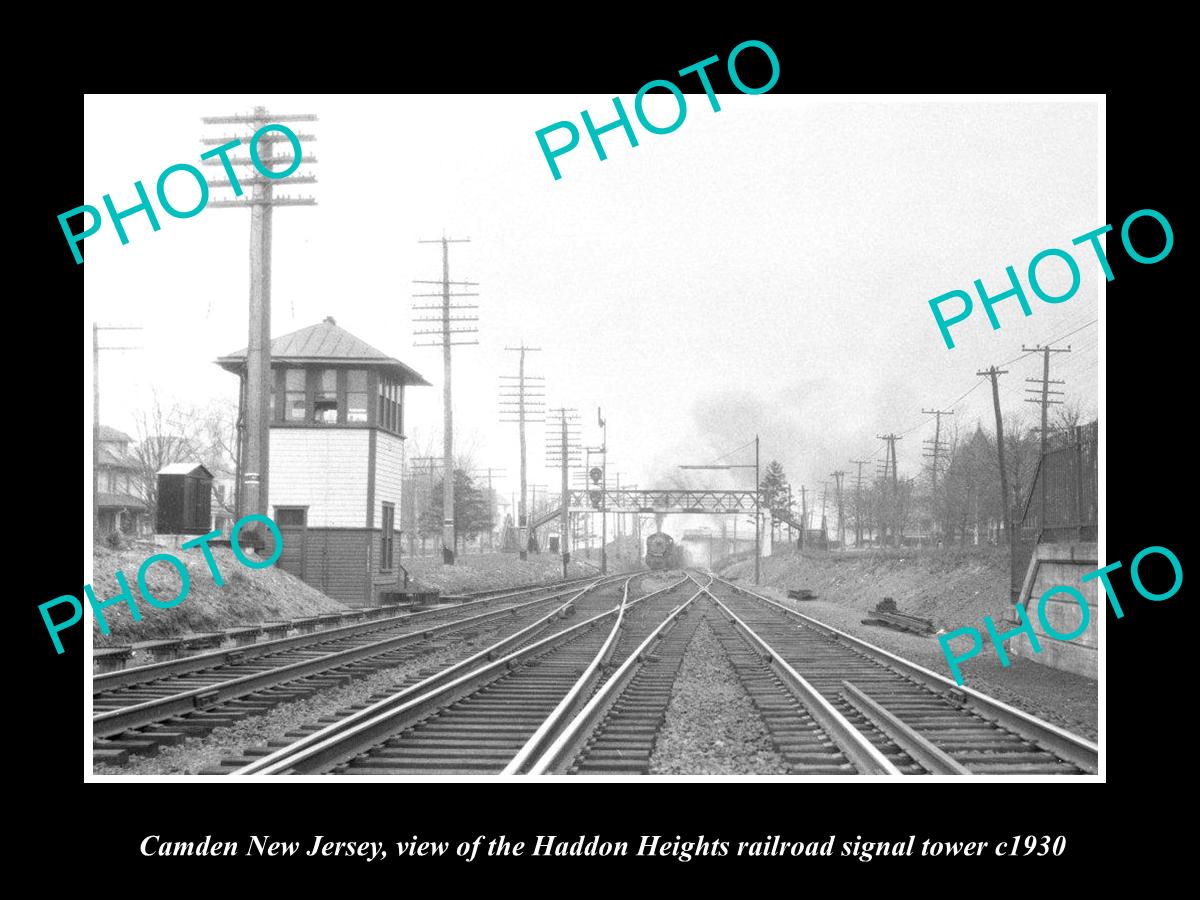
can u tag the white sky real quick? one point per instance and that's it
(765, 268)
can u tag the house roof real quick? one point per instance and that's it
(108, 433)
(106, 457)
(118, 501)
(183, 468)
(325, 342)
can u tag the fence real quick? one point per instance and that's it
(1062, 504)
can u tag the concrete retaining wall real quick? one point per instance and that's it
(1053, 565)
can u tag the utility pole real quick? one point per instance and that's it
(803, 515)
(1006, 514)
(492, 506)
(262, 202)
(603, 490)
(757, 514)
(563, 450)
(858, 501)
(1045, 391)
(96, 348)
(442, 337)
(517, 394)
(891, 442)
(838, 476)
(934, 450)
(824, 533)
(425, 465)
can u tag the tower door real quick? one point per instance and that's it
(293, 526)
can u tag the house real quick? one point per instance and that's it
(336, 458)
(118, 507)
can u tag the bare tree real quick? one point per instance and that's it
(218, 438)
(1066, 417)
(165, 435)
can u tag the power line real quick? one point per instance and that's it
(981, 382)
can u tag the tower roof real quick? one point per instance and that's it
(325, 342)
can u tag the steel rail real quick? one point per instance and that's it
(1059, 741)
(137, 715)
(135, 675)
(916, 745)
(347, 738)
(561, 715)
(864, 755)
(572, 736)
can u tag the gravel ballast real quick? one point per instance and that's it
(712, 726)
(1060, 698)
(197, 753)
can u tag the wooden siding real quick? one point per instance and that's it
(325, 469)
(389, 472)
(335, 563)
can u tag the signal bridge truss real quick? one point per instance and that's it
(702, 502)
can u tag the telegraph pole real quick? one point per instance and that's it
(824, 492)
(96, 348)
(858, 501)
(262, 202)
(934, 450)
(838, 476)
(803, 514)
(443, 337)
(993, 373)
(891, 442)
(936, 447)
(562, 452)
(490, 472)
(603, 490)
(757, 514)
(1045, 391)
(518, 395)
(425, 465)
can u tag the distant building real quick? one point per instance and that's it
(118, 509)
(223, 500)
(336, 458)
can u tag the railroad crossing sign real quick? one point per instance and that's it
(596, 474)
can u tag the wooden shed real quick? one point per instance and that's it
(184, 499)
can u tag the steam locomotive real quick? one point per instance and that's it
(661, 552)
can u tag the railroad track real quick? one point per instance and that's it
(616, 732)
(136, 710)
(490, 714)
(590, 697)
(920, 721)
